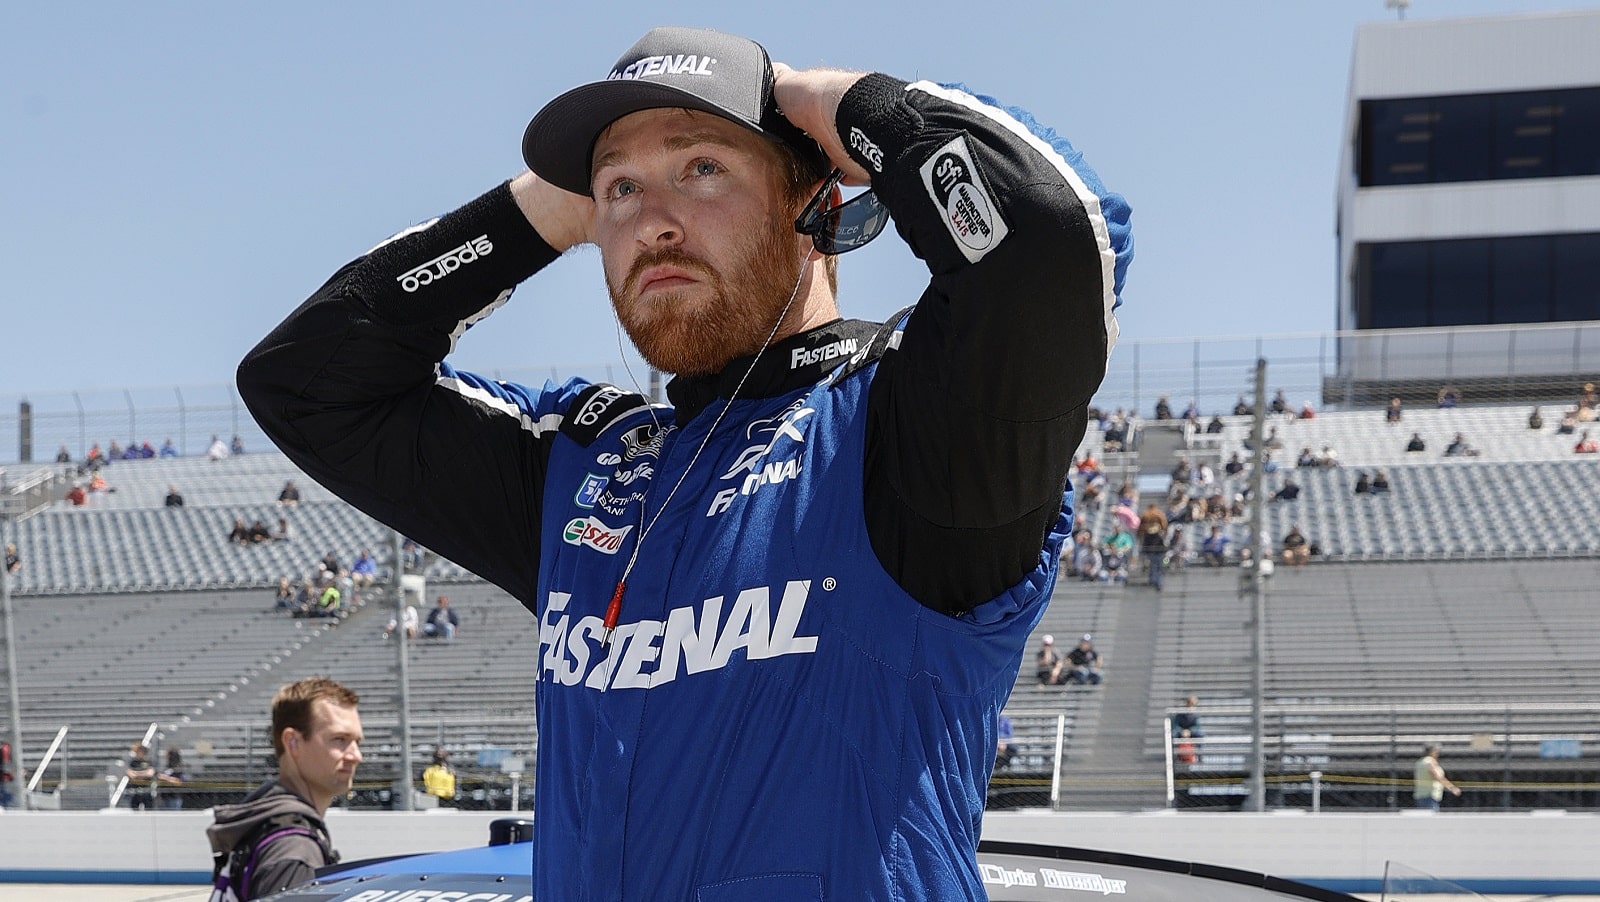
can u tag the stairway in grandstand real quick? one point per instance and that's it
(1107, 770)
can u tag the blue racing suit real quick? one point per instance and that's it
(842, 543)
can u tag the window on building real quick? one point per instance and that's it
(1523, 279)
(1479, 137)
(1575, 287)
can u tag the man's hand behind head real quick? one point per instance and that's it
(561, 218)
(810, 99)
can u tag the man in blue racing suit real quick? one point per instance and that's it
(778, 617)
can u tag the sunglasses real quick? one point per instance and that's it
(850, 225)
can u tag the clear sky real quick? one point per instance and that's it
(175, 177)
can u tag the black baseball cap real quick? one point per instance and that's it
(694, 68)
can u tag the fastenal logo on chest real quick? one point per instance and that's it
(445, 264)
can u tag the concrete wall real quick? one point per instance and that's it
(1514, 853)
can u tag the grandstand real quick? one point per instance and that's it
(1449, 607)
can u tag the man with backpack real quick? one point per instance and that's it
(276, 837)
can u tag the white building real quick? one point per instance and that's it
(1469, 194)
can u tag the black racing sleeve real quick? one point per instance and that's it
(351, 387)
(972, 423)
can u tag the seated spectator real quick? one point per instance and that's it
(330, 563)
(95, 458)
(1328, 457)
(1393, 413)
(330, 602)
(238, 445)
(1127, 494)
(1216, 506)
(1214, 548)
(174, 497)
(1363, 484)
(1307, 412)
(1089, 495)
(1215, 427)
(1204, 477)
(241, 533)
(1163, 410)
(1004, 751)
(1177, 549)
(364, 571)
(411, 554)
(1568, 424)
(1181, 471)
(1191, 414)
(97, 482)
(284, 532)
(1296, 550)
(290, 496)
(1048, 665)
(13, 560)
(1186, 723)
(1273, 443)
(1089, 464)
(63, 456)
(1380, 482)
(77, 495)
(115, 451)
(1586, 445)
(168, 450)
(1117, 555)
(1086, 561)
(305, 599)
(1588, 402)
(407, 623)
(217, 450)
(1234, 466)
(1416, 444)
(441, 622)
(1280, 404)
(1458, 447)
(1306, 458)
(259, 533)
(132, 451)
(1536, 420)
(1449, 396)
(1116, 434)
(146, 452)
(1289, 492)
(1084, 662)
(284, 600)
(1241, 408)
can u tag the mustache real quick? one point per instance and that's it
(667, 256)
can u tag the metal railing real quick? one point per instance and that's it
(1487, 364)
(1504, 757)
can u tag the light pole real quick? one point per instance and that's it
(403, 656)
(20, 780)
(1254, 584)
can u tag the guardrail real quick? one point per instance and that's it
(1505, 757)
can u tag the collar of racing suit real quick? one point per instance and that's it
(799, 360)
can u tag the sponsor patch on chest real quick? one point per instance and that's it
(970, 213)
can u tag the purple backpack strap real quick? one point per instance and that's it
(247, 872)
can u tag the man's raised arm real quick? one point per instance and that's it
(352, 385)
(975, 419)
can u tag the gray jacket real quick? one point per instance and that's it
(287, 861)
